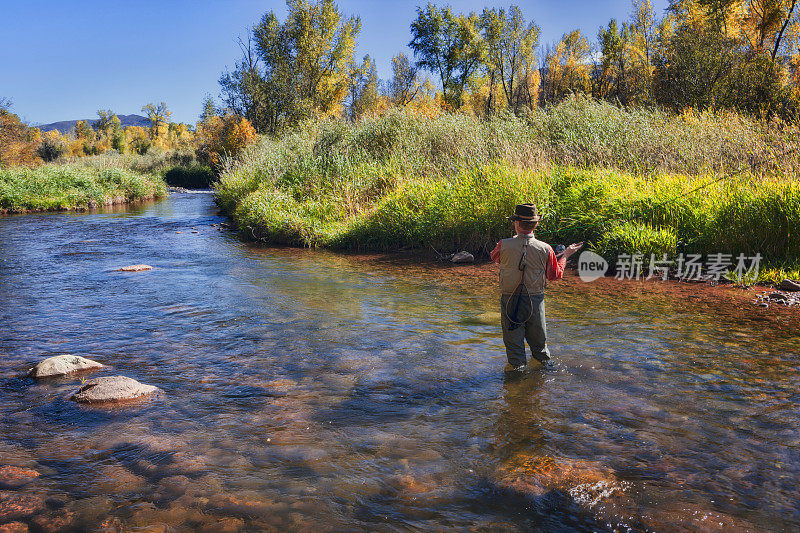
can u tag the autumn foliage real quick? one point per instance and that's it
(18, 143)
(222, 136)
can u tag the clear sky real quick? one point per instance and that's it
(64, 60)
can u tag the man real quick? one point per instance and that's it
(526, 264)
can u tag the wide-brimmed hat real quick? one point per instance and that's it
(525, 213)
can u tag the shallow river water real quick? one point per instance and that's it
(311, 391)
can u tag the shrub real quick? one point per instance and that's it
(52, 147)
(195, 176)
(223, 136)
(632, 238)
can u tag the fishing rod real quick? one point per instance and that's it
(650, 210)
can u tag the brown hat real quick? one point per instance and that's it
(525, 213)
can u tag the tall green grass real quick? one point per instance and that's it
(622, 180)
(61, 187)
(178, 168)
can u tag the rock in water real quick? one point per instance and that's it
(789, 285)
(14, 477)
(62, 364)
(590, 486)
(14, 527)
(111, 389)
(135, 268)
(462, 257)
(16, 505)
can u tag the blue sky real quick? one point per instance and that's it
(63, 60)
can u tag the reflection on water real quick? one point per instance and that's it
(306, 390)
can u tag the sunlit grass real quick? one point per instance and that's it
(178, 168)
(632, 181)
(60, 187)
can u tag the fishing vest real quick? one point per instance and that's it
(535, 264)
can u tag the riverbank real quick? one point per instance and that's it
(74, 187)
(623, 181)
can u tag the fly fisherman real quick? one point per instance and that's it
(526, 264)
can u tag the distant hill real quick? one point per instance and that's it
(65, 125)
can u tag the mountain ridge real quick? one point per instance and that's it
(64, 126)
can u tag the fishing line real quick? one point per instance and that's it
(650, 210)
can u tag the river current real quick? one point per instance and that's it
(305, 390)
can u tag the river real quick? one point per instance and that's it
(306, 390)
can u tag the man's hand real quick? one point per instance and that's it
(571, 249)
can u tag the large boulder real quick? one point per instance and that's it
(112, 389)
(62, 364)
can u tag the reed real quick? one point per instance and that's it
(178, 168)
(62, 187)
(638, 180)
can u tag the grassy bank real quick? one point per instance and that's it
(623, 181)
(62, 187)
(177, 168)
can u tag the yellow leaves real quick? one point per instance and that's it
(17, 142)
(222, 136)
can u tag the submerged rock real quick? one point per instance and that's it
(61, 520)
(135, 268)
(16, 505)
(789, 285)
(534, 476)
(15, 477)
(224, 525)
(591, 487)
(14, 527)
(462, 257)
(112, 389)
(62, 364)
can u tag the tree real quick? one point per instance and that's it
(448, 45)
(105, 120)
(119, 140)
(245, 92)
(618, 77)
(404, 85)
(510, 46)
(138, 139)
(221, 136)
(159, 116)
(567, 68)
(209, 109)
(52, 146)
(18, 142)
(292, 70)
(729, 54)
(363, 89)
(84, 131)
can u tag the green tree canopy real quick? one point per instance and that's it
(293, 69)
(448, 45)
